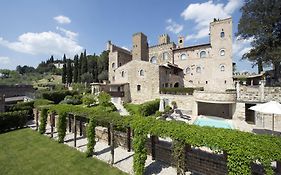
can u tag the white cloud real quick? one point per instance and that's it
(62, 19)
(241, 46)
(173, 26)
(48, 43)
(5, 60)
(71, 35)
(203, 13)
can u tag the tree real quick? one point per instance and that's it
(261, 21)
(76, 67)
(64, 70)
(69, 71)
(93, 66)
(103, 66)
(87, 78)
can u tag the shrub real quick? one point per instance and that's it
(42, 102)
(10, 120)
(58, 96)
(43, 120)
(74, 100)
(149, 108)
(167, 109)
(91, 135)
(104, 98)
(140, 155)
(89, 99)
(61, 127)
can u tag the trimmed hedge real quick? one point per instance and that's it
(13, 120)
(57, 96)
(61, 127)
(149, 108)
(42, 102)
(91, 135)
(180, 91)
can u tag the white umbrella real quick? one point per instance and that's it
(271, 107)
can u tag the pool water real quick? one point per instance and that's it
(213, 122)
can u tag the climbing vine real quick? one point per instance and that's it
(140, 155)
(179, 156)
(91, 135)
(61, 127)
(242, 148)
(43, 120)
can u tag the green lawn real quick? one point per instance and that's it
(27, 152)
(133, 108)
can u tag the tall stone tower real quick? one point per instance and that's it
(180, 42)
(140, 47)
(164, 39)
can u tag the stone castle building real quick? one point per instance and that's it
(146, 68)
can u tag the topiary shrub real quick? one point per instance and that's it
(91, 135)
(43, 121)
(179, 156)
(61, 127)
(149, 108)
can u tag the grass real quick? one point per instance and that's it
(27, 152)
(133, 109)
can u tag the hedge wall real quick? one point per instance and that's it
(149, 108)
(13, 120)
(57, 96)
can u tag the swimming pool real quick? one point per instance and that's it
(213, 122)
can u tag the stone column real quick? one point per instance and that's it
(238, 90)
(261, 90)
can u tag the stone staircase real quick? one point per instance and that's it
(118, 104)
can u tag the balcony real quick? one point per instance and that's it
(116, 93)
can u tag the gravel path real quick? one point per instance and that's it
(123, 159)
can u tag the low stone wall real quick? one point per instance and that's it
(223, 97)
(259, 94)
(185, 102)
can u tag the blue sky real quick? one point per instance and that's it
(32, 30)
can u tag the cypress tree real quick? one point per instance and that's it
(80, 67)
(69, 71)
(63, 78)
(76, 68)
(85, 61)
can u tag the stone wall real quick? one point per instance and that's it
(148, 81)
(206, 96)
(16, 90)
(185, 102)
(159, 50)
(258, 94)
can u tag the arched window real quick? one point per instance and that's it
(203, 54)
(138, 87)
(165, 56)
(113, 65)
(183, 56)
(153, 60)
(222, 68)
(222, 34)
(222, 52)
(198, 69)
(122, 73)
(187, 70)
(141, 72)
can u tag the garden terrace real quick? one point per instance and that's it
(241, 149)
